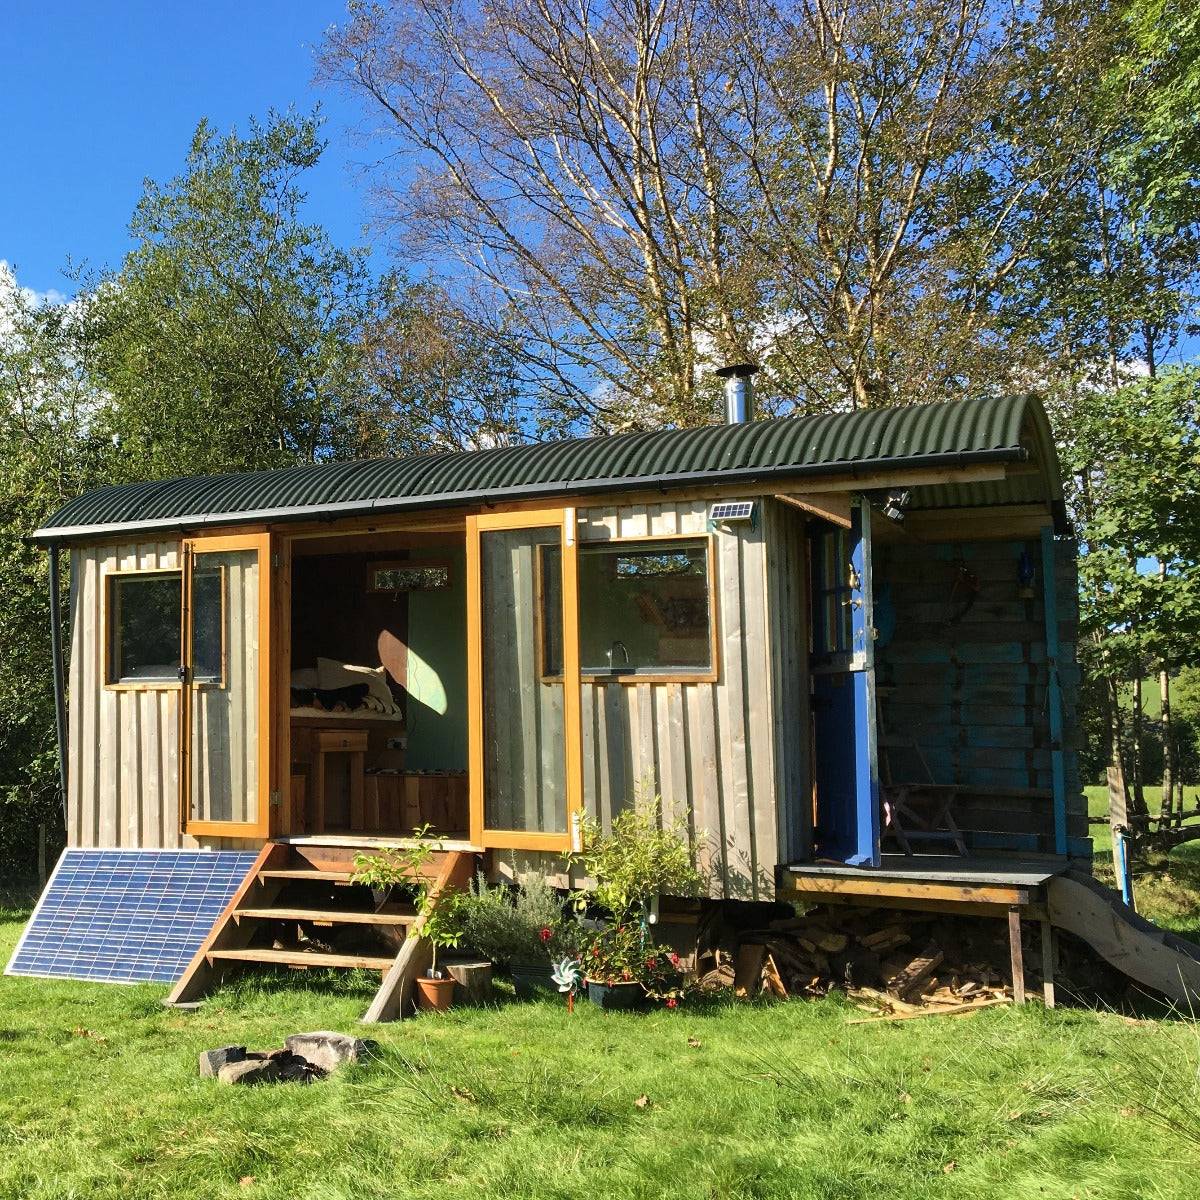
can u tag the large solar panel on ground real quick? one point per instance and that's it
(127, 916)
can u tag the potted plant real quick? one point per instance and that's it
(440, 918)
(521, 929)
(613, 965)
(443, 928)
(641, 858)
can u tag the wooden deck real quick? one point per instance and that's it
(1009, 888)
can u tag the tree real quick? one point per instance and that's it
(644, 190)
(1133, 486)
(47, 455)
(232, 337)
(1158, 82)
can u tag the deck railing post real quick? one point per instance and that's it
(1054, 692)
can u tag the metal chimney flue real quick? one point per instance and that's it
(739, 392)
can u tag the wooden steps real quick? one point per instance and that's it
(321, 916)
(306, 958)
(295, 884)
(310, 874)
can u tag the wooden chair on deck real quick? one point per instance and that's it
(917, 812)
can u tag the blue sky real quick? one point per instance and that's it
(98, 95)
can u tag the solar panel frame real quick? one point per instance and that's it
(732, 510)
(127, 916)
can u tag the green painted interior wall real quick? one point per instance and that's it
(437, 634)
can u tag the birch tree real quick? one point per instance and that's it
(642, 189)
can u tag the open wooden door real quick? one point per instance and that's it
(526, 781)
(225, 709)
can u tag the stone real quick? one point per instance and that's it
(211, 1061)
(328, 1050)
(249, 1071)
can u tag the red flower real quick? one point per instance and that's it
(652, 963)
(545, 933)
(674, 959)
(672, 1002)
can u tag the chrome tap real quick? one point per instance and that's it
(624, 651)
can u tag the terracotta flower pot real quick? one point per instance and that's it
(435, 995)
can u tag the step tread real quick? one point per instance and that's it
(306, 958)
(307, 873)
(319, 914)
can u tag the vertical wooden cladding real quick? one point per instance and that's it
(719, 751)
(123, 774)
(123, 768)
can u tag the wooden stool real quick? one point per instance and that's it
(352, 742)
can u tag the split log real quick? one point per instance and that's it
(772, 980)
(916, 972)
(747, 972)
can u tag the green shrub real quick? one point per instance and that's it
(508, 924)
(641, 857)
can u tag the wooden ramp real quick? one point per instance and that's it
(293, 892)
(1152, 956)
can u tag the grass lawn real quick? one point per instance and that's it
(99, 1097)
(1166, 888)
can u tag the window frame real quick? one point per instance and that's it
(407, 564)
(710, 674)
(110, 610)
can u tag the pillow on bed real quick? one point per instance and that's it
(333, 674)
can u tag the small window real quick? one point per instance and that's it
(407, 577)
(832, 592)
(143, 627)
(644, 609)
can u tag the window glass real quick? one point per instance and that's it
(832, 629)
(143, 633)
(208, 625)
(400, 577)
(643, 608)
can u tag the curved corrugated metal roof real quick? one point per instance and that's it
(868, 441)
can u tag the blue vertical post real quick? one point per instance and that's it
(1054, 692)
(862, 646)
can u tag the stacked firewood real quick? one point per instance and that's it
(892, 963)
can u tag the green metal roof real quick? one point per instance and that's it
(872, 442)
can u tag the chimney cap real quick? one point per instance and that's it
(741, 370)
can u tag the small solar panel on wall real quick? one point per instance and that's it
(127, 916)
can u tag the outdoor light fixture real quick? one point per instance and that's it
(894, 503)
(1025, 576)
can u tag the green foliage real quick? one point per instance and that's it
(231, 338)
(49, 452)
(644, 855)
(1158, 81)
(1132, 463)
(510, 925)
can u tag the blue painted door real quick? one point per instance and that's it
(845, 772)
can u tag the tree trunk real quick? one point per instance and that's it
(1139, 788)
(1117, 735)
(1166, 808)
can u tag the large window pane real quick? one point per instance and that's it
(225, 736)
(524, 732)
(644, 608)
(143, 627)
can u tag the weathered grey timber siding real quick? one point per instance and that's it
(123, 760)
(787, 610)
(733, 753)
(963, 674)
